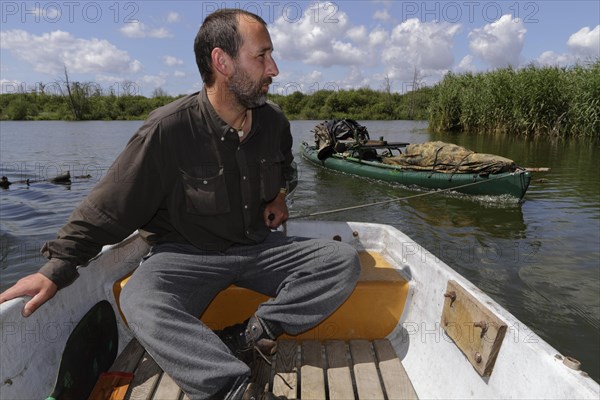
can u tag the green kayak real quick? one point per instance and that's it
(506, 183)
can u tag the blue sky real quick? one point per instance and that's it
(139, 46)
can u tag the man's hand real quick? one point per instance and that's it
(40, 288)
(276, 212)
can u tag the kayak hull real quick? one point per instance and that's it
(514, 184)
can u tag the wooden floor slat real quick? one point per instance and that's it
(339, 378)
(365, 370)
(145, 379)
(395, 379)
(312, 371)
(285, 379)
(129, 357)
(167, 389)
(309, 370)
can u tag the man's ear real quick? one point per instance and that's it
(221, 61)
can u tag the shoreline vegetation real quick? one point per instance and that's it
(541, 101)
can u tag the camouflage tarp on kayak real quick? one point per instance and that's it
(450, 158)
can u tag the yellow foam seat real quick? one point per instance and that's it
(372, 311)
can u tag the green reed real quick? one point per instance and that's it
(557, 101)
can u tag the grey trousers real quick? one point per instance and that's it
(307, 278)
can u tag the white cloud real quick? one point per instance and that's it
(317, 41)
(382, 15)
(172, 61)
(465, 65)
(51, 52)
(425, 46)
(138, 30)
(499, 43)
(173, 17)
(155, 81)
(358, 33)
(377, 37)
(179, 74)
(551, 58)
(585, 42)
(354, 79)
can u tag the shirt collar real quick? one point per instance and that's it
(217, 124)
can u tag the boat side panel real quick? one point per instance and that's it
(32, 347)
(526, 367)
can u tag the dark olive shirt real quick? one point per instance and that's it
(183, 177)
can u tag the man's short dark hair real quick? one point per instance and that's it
(219, 29)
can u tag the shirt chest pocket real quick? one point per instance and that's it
(271, 176)
(206, 195)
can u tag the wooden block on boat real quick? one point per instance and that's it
(338, 371)
(395, 379)
(365, 371)
(476, 330)
(285, 381)
(312, 374)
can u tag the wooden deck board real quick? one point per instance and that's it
(167, 389)
(365, 371)
(285, 381)
(312, 370)
(129, 357)
(395, 380)
(312, 378)
(145, 379)
(339, 378)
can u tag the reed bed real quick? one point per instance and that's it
(551, 101)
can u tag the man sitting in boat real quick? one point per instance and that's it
(204, 181)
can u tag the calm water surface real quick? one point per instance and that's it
(540, 259)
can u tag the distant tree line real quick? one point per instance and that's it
(79, 107)
(559, 101)
(84, 102)
(360, 104)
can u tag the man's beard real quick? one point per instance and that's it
(247, 93)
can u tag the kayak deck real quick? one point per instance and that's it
(312, 369)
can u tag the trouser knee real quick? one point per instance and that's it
(349, 263)
(131, 301)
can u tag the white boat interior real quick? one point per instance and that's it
(413, 328)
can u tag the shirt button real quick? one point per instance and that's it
(246, 207)
(244, 177)
(247, 232)
(231, 130)
(222, 138)
(205, 182)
